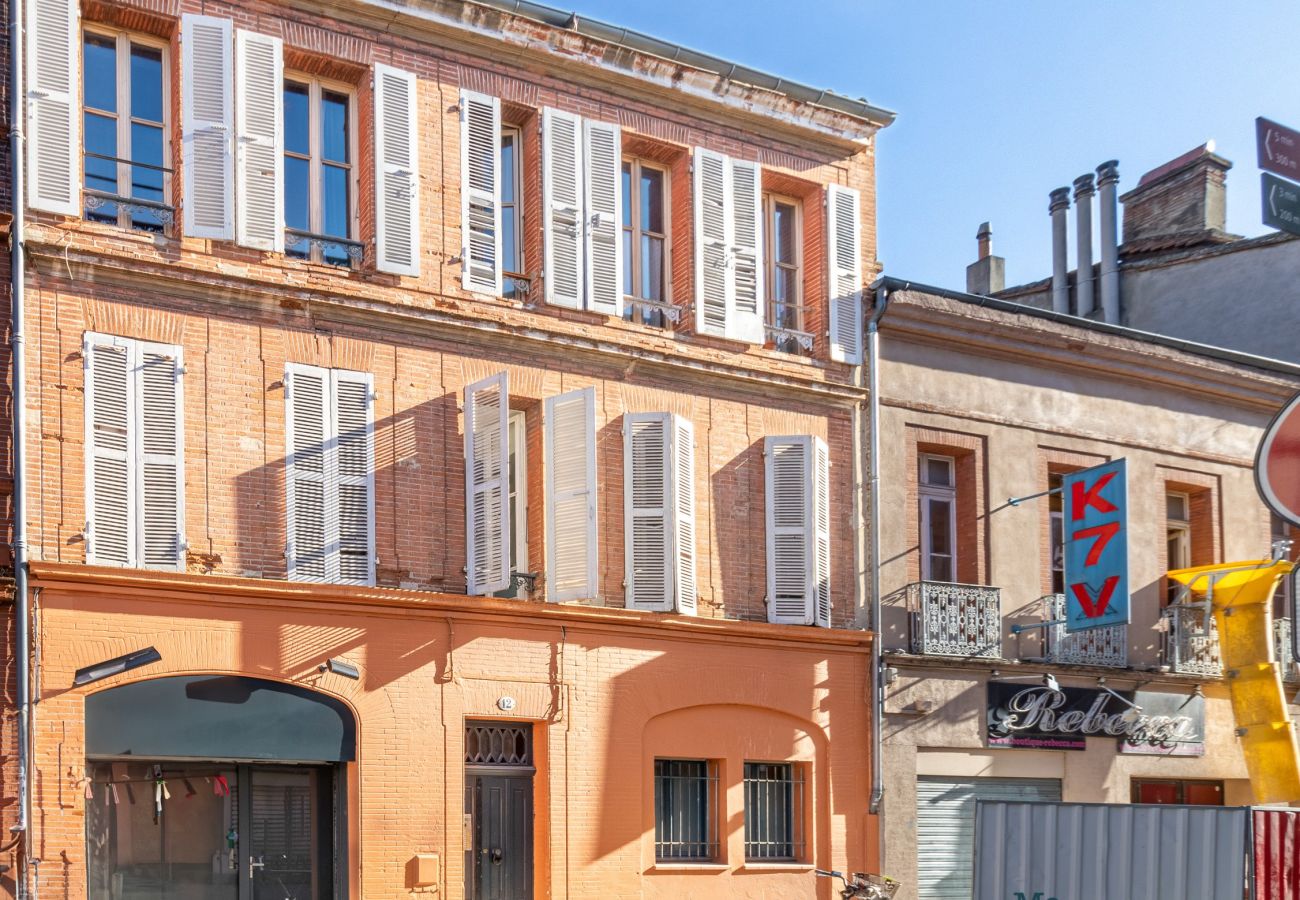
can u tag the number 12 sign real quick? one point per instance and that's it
(1096, 547)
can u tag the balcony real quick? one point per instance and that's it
(1106, 646)
(1282, 651)
(1191, 642)
(962, 620)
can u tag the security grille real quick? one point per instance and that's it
(498, 744)
(773, 811)
(685, 810)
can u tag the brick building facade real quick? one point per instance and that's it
(286, 314)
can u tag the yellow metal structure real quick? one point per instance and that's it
(1240, 595)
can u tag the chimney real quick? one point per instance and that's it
(1083, 191)
(1107, 179)
(1184, 197)
(987, 275)
(1059, 203)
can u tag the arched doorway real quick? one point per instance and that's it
(216, 788)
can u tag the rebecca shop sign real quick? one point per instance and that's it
(1040, 718)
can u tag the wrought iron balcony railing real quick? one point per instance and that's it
(1191, 641)
(955, 619)
(1106, 646)
(1282, 650)
(334, 250)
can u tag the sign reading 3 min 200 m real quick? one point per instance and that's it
(1096, 547)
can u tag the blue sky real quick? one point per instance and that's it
(1000, 101)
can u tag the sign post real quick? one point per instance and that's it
(1096, 547)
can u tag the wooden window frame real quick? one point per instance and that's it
(633, 263)
(512, 271)
(316, 165)
(517, 487)
(928, 493)
(770, 201)
(124, 39)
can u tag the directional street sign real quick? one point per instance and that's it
(1278, 148)
(1281, 203)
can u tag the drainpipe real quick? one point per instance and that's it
(1083, 191)
(1108, 212)
(17, 94)
(1058, 204)
(877, 668)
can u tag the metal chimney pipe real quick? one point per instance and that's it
(1107, 180)
(1060, 202)
(1083, 191)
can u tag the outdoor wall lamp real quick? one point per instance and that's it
(339, 667)
(116, 666)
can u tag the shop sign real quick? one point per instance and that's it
(1096, 547)
(1040, 718)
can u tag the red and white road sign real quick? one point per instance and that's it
(1277, 463)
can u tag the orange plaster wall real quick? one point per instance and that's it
(607, 691)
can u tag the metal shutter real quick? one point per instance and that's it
(945, 827)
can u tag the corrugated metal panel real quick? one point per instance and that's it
(945, 827)
(1277, 854)
(1083, 851)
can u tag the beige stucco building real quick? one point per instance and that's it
(981, 401)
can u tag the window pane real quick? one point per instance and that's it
(147, 148)
(682, 810)
(937, 471)
(297, 125)
(335, 146)
(940, 532)
(146, 83)
(99, 72)
(508, 168)
(941, 568)
(652, 267)
(773, 806)
(296, 210)
(335, 200)
(627, 262)
(783, 237)
(652, 200)
(509, 240)
(627, 196)
(785, 293)
(101, 138)
(1176, 507)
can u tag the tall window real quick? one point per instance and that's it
(938, 493)
(318, 174)
(686, 827)
(124, 95)
(517, 498)
(1178, 534)
(1056, 507)
(773, 812)
(645, 240)
(781, 229)
(514, 284)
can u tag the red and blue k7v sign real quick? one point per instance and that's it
(1096, 547)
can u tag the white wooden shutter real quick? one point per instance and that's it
(53, 110)
(161, 478)
(350, 466)
(844, 253)
(562, 217)
(397, 192)
(647, 498)
(487, 515)
(569, 432)
(791, 523)
(712, 241)
(110, 532)
(259, 141)
(745, 272)
(820, 490)
(682, 520)
(480, 192)
(207, 126)
(307, 433)
(603, 246)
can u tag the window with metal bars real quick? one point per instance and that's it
(498, 744)
(774, 812)
(686, 795)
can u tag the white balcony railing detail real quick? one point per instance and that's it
(1282, 650)
(1192, 641)
(1107, 646)
(955, 619)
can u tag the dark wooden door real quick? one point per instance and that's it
(501, 854)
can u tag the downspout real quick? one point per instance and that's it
(18, 91)
(877, 668)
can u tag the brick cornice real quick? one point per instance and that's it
(228, 591)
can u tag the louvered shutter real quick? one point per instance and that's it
(745, 272)
(161, 478)
(307, 433)
(682, 519)
(562, 218)
(397, 192)
(351, 471)
(820, 490)
(647, 500)
(110, 537)
(711, 193)
(259, 141)
(53, 114)
(480, 192)
(790, 529)
(487, 517)
(570, 460)
(603, 246)
(844, 253)
(207, 126)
